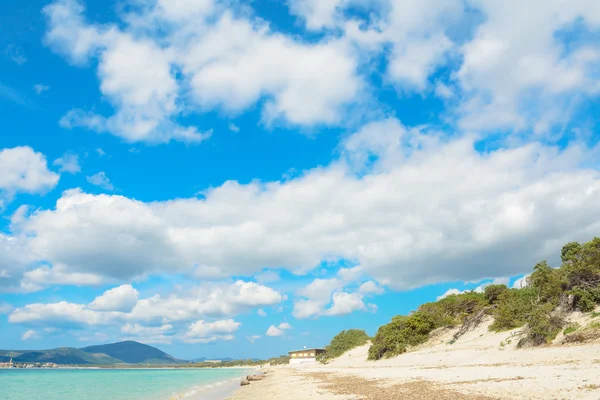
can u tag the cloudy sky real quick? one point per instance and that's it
(240, 178)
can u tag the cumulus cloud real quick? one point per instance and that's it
(370, 287)
(227, 61)
(206, 332)
(14, 260)
(25, 171)
(504, 81)
(69, 162)
(278, 330)
(261, 312)
(329, 297)
(345, 303)
(44, 276)
(117, 306)
(123, 298)
(419, 199)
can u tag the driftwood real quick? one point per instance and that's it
(471, 323)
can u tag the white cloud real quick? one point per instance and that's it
(326, 296)
(522, 83)
(206, 332)
(228, 62)
(278, 330)
(345, 303)
(450, 292)
(14, 260)
(123, 298)
(25, 171)
(100, 152)
(30, 335)
(45, 275)
(101, 180)
(496, 222)
(370, 287)
(148, 331)
(40, 88)
(284, 326)
(267, 276)
(521, 282)
(350, 274)
(116, 306)
(69, 162)
(320, 289)
(261, 312)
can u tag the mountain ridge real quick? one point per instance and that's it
(125, 352)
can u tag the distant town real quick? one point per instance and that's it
(11, 364)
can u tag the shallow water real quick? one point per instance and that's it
(109, 384)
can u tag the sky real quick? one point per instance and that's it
(244, 178)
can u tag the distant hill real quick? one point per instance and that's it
(128, 352)
(131, 352)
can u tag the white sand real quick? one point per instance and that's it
(477, 364)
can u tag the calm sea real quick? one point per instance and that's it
(109, 384)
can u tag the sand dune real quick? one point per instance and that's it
(479, 365)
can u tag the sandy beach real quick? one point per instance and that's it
(480, 365)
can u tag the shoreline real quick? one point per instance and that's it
(481, 365)
(218, 390)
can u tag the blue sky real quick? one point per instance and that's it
(237, 179)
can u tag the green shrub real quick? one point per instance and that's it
(543, 324)
(344, 341)
(513, 309)
(407, 331)
(394, 338)
(493, 292)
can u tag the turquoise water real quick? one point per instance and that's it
(106, 384)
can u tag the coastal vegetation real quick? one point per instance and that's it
(539, 308)
(342, 342)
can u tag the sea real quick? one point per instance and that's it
(118, 384)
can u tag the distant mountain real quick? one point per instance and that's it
(128, 352)
(131, 352)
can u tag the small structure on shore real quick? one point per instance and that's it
(305, 355)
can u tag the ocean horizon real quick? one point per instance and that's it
(113, 384)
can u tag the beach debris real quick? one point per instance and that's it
(251, 378)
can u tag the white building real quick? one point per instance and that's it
(305, 355)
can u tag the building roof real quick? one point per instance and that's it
(303, 350)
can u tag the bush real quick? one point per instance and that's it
(394, 338)
(493, 292)
(403, 332)
(544, 324)
(513, 309)
(344, 341)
